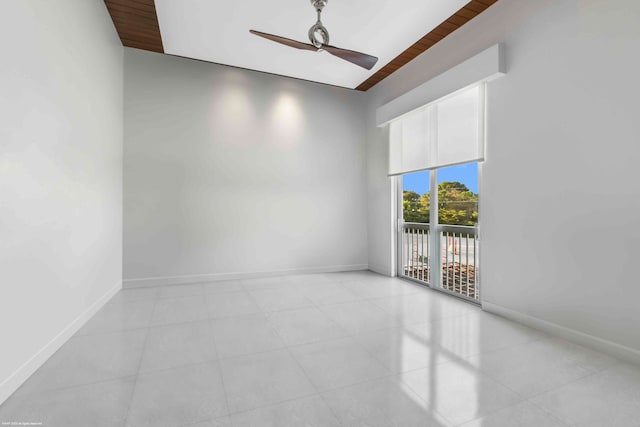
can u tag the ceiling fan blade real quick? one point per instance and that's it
(361, 59)
(285, 41)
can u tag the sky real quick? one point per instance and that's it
(466, 174)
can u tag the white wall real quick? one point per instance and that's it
(381, 198)
(559, 190)
(484, 31)
(229, 172)
(60, 175)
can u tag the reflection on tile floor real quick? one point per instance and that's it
(337, 349)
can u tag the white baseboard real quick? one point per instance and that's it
(214, 277)
(15, 380)
(381, 270)
(616, 350)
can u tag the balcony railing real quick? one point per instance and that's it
(416, 251)
(458, 252)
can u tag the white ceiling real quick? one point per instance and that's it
(218, 31)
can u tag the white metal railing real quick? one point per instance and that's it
(459, 260)
(416, 251)
(458, 250)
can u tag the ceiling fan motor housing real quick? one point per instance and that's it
(318, 34)
(319, 4)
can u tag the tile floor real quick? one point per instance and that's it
(339, 349)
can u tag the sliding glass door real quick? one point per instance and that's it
(438, 241)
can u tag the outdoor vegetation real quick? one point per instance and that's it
(457, 205)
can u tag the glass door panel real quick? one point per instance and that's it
(414, 236)
(457, 229)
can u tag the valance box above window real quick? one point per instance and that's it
(447, 127)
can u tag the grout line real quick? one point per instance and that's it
(525, 399)
(142, 354)
(153, 372)
(428, 403)
(282, 402)
(219, 367)
(69, 387)
(584, 377)
(548, 412)
(305, 396)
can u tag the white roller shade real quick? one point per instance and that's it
(446, 132)
(460, 128)
(409, 142)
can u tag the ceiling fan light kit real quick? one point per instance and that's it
(319, 38)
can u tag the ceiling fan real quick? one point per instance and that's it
(319, 37)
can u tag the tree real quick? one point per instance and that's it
(412, 208)
(457, 205)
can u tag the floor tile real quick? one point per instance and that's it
(538, 366)
(102, 404)
(330, 293)
(262, 379)
(119, 315)
(337, 363)
(453, 338)
(223, 286)
(382, 403)
(359, 316)
(591, 359)
(178, 344)
(178, 396)
(178, 291)
(346, 276)
(305, 325)
(380, 352)
(231, 304)
(240, 335)
(89, 359)
(459, 392)
(218, 422)
(135, 294)
(285, 298)
(424, 307)
(402, 349)
(266, 283)
(609, 398)
(311, 279)
(494, 332)
(307, 412)
(521, 415)
(379, 287)
(479, 332)
(178, 310)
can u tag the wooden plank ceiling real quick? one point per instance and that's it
(455, 21)
(137, 24)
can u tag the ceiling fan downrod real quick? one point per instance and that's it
(318, 34)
